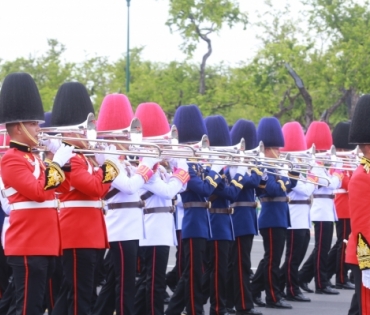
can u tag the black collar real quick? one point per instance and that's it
(20, 146)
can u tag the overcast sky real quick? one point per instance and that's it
(98, 27)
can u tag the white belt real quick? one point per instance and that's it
(24, 205)
(82, 204)
(340, 191)
(8, 192)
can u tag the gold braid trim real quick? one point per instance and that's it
(256, 170)
(363, 252)
(211, 181)
(237, 184)
(54, 176)
(110, 171)
(366, 164)
(282, 184)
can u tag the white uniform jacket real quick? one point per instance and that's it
(300, 214)
(323, 209)
(179, 212)
(127, 223)
(160, 227)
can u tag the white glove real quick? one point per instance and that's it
(150, 162)
(172, 162)
(52, 144)
(217, 167)
(111, 157)
(242, 170)
(264, 175)
(63, 154)
(366, 278)
(233, 171)
(181, 163)
(99, 157)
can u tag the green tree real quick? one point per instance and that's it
(196, 20)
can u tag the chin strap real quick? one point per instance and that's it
(35, 141)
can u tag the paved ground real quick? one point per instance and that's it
(319, 305)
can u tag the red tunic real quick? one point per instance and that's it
(359, 201)
(83, 227)
(341, 200)
(31, 231)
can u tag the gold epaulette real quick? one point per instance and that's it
(363, 252)
(257, 171)
(110, 171)
(54, 176)
(237, 183)
(212, 181)
(366, 164)
(282, 185)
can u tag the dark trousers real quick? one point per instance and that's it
(54, 283)
(173, 276)
(241, 264)
(150, 293)
(5, 271)
(336, 259)
(7, 302)
(296, 246)
(215, 276)
(273, 243)
(316, 264)
(189, 289)
(105, 303)
(75, 297)
(355, 307)
(30, 274)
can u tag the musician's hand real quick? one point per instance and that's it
(150, 162)
(181, 163)
(109, 155)
(242, 170)
(63, 154)
(366, 278)
(264, 175)
(52, 144)
(217, 167)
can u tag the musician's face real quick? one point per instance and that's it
(29, 133)
(273, 152)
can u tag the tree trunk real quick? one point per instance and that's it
(202, 72)
(302, 90)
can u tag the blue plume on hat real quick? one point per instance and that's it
(47, 118)
(269, 132)
(244, 129)
(218, 131)
(189, 122)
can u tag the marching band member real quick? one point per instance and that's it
(83, 229)
(273, 220)
(124, 213)
(218, 245)
(245, 223)
(322, 213)
(33, 237)
(158, 217)
(196, 223)
(298, 234)
(336, 262)
(357, 253)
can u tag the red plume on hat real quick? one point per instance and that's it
(115, 113)
(294, 139)
(153, 119)
(319, 134)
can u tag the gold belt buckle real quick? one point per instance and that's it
(231, 211)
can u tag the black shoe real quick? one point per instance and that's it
(279, 304)
(297, 298)
(258, 301)
(347, 286)
(249, 312)
(330, 284)
(327, 290)
(230, 310)
(304, 287)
